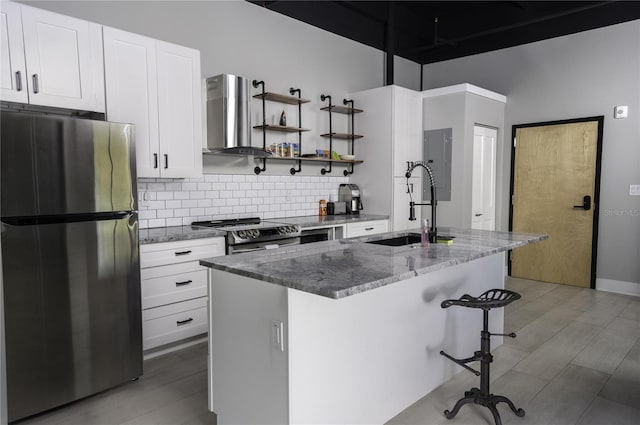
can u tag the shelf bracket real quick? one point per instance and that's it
(255, 84)
(292, 92)
(324, 169)
(350, 103)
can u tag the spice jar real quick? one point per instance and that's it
(323, 207)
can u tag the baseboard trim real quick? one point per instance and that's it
(618, 286)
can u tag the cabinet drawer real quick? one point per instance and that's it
(173, 322)
(179, 252)
(173, 288)
(367, 228)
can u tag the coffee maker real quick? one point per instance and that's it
(350, 194)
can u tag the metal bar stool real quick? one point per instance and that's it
(493, 298)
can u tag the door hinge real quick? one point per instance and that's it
(514, 142)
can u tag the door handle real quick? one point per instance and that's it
(586, 203)
(166, 161)
(18, 81)
(36, 87)
(478, 215)
(155, 160)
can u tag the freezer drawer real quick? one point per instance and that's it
(72, 310)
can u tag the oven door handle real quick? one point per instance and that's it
(295, 241)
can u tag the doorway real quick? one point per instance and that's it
(483, 190)
(555, 190)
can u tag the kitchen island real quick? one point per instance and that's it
(345, 331)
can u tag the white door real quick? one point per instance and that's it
(132, 96)
(406, 130)
(483, 203)
(179, 109)
(59, 59)
(13, 73)
(401, 199)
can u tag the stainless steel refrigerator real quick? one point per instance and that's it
(70, 259)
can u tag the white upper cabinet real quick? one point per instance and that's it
(179, 110)
(61, 60)
(13, 71)
(132, 92)
(156, 86)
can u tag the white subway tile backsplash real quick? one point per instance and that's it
(175, 202)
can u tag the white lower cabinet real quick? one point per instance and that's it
(365, 228)
(174, 289)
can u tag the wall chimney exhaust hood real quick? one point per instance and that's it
(229, 117)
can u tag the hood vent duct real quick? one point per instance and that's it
(229, 117)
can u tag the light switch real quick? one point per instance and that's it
(620, 112)
(634, 190)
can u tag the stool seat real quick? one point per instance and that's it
(493, 298)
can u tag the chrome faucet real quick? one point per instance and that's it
(433, 230)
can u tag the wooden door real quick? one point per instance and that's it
(132, 93)
(555, 166)
(13, 85)
(59, 59)
(483, 191)
(179, 110)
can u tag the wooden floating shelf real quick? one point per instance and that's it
(281, 128)
(341, 109)
(343, 161)
(346, 136)
(282, 98)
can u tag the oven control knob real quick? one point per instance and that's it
(293, 229)
(242, 234)
(282, 230)
(254, 233)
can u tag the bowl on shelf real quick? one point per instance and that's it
(347, 157)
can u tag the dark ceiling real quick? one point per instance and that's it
(409, 29)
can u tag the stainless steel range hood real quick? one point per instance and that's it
(229, 116)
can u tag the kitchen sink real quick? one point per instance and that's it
(399, 241)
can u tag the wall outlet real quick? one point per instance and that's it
(620, 112)
(277, 335)
(634, 190)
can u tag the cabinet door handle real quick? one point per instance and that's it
(368, 228)
(18, 81)
(478, 215)
(36, 88)
(183, 252)
(186, 282)
(166, 161)
(155, 160)
(182, 322)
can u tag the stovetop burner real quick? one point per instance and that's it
(227, 222)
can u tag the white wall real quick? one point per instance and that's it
(579, 75)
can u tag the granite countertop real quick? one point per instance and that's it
(177, 233)
(329, 220)
(181, 233)
(340, 268)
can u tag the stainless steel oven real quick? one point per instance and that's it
(253, 234)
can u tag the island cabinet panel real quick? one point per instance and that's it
(360, 359)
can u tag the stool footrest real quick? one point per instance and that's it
(510, 334)
(463, 362)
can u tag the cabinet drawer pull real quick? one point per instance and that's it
(186, 282)
(183, 252)
(185, 321)
(18, 81)
(155, 160)
(369, 228)
(166, 161)
(36, 88)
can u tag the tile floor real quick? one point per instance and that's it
(576, 360)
